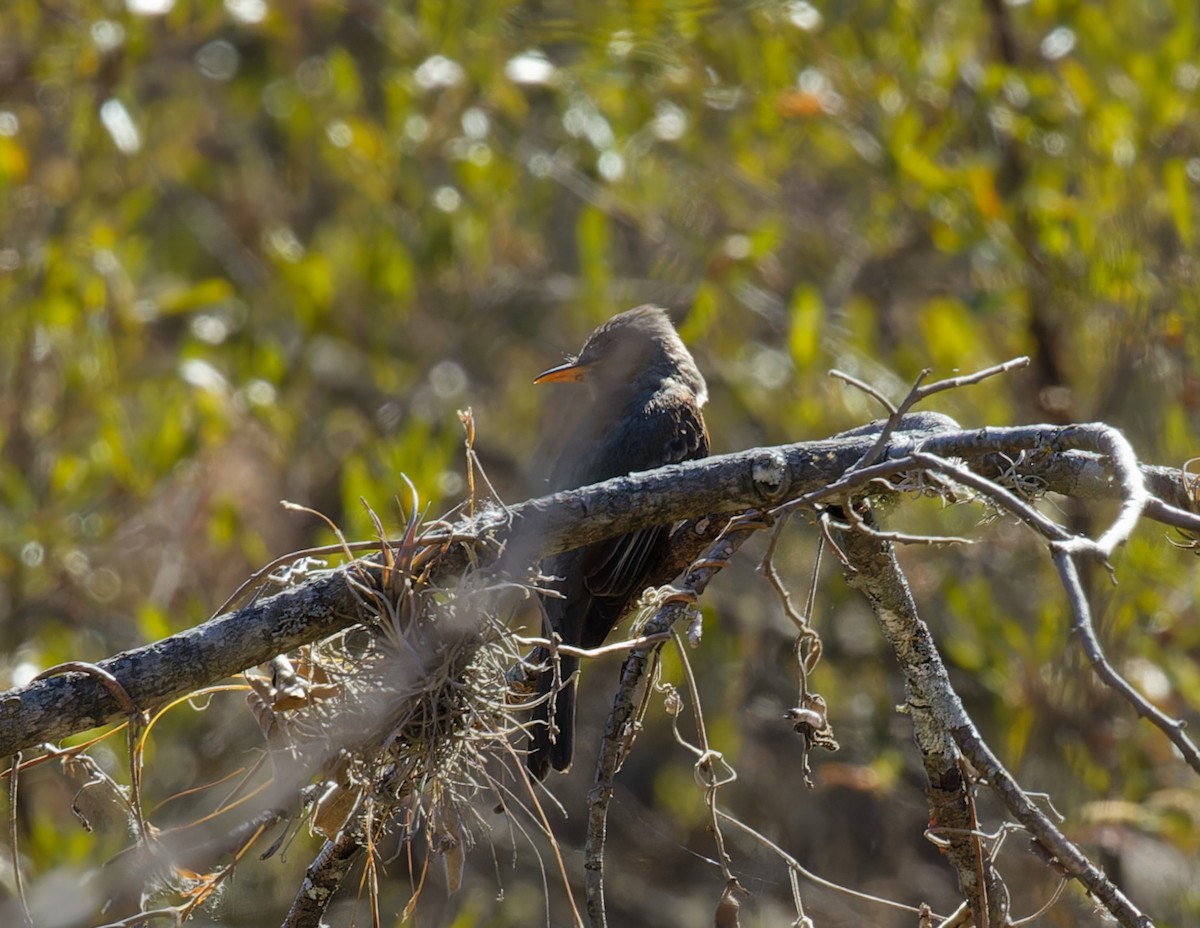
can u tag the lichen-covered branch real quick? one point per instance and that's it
(939, 717)
(323, 604)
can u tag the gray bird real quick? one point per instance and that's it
(643, 411)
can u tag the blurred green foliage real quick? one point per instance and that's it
(253, 252)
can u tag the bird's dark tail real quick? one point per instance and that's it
(545, 752)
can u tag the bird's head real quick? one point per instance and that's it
(634, 351)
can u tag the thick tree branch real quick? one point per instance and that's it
(935, 710)
(322, 880)
(52, 708)
(938, 715)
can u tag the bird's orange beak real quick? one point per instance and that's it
(571, 372)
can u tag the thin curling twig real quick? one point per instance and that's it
(137, 719)
(859, 524)
(618, 733)
(797, 869)
(704, 770)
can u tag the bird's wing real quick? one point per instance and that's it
(615, 568)
(617, 571)
(619, 563)
(690, 438)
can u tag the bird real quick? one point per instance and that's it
(642, 410)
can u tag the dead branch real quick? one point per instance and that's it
(942, 728)
(1063, 458)
(620, 729)
(494, 549)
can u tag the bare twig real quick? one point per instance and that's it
(1081, 611)
(1064, 549)
(611, 647)
(1172, 515)
(931, 704)
(918, 393)
(321, 880)
(866, 388)
(1049, 904)
(796, 867)
(618, 734)
(707, 759)
(859, 524)
(14, 769)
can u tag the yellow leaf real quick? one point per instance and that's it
(807, 314)
(983, 191)
(1179, 199)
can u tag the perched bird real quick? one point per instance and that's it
(642, 411)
